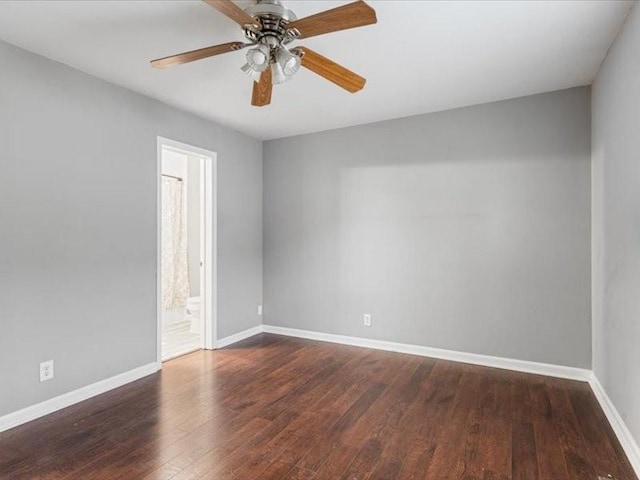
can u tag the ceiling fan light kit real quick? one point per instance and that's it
(269, 27)
(258, 58)
(289, 61)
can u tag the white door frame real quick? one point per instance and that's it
(208, 240)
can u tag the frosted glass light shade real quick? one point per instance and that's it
(277, 74)
(289, 62)
(258, 58)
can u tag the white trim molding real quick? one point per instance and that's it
(629, 444)
(236, 337)
(38, 410)
(559, 371)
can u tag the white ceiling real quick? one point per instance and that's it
(421, 56)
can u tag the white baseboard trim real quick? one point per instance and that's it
(629, 444)
(236, 337)
(38, 410)
(571, 373)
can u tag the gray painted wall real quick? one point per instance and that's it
(616, 223)
(466, 230)
(78, 238)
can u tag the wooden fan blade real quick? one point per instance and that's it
(199, 54)
(352, 15)
(262, 90)
(231, 10)
(352, 82)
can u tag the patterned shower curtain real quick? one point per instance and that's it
(175, 275)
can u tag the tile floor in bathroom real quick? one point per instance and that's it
(178, 340)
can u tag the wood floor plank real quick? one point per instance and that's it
(525, 455)
(278, 408)
(549, 453)
(600, 441)
(576, 456)
(459, 438)
(489, 443)
(386, 469)
(416, 438)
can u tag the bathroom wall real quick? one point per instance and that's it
(78, 244)
(175, 164)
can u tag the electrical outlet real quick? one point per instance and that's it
(46, 370)
(367, 320)
(259, 309)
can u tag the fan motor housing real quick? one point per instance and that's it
(273, 17)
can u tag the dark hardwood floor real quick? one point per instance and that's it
(280, 408)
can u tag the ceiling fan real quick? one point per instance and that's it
(270, 27)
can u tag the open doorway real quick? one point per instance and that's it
(186, 249)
